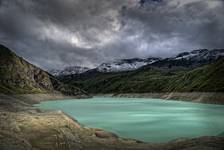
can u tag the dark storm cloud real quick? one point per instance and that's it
(57, 33)
(175, 26)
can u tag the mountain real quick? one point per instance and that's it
(191, 59)
(185, 60)
(17, 76)
(207, 78)
(68, 71)
(125, 64)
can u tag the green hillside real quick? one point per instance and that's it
(209, 78)
(18, 76)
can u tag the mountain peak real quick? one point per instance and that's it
(125, 64)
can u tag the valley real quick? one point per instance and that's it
(25, 127)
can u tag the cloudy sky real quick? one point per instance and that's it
(59, 33)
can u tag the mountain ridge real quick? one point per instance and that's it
(184, 60)
(193, 59)
(18, 76)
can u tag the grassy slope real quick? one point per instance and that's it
(208, 78)
(18, 76)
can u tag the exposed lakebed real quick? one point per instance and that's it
(150, 120)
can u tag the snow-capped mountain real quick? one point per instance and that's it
(68, 71)
(125, 64)
(191, 59)
(198, 55)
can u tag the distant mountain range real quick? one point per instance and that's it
(68, 71)
(17, 76)
(191, 59)
(196, 71)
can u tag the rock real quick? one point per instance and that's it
(103, 134)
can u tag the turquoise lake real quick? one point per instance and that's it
(150, 120)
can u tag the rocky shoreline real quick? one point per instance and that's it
(24, 127)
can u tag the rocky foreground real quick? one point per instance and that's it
(23, 127)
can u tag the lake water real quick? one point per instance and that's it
(150, 120)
